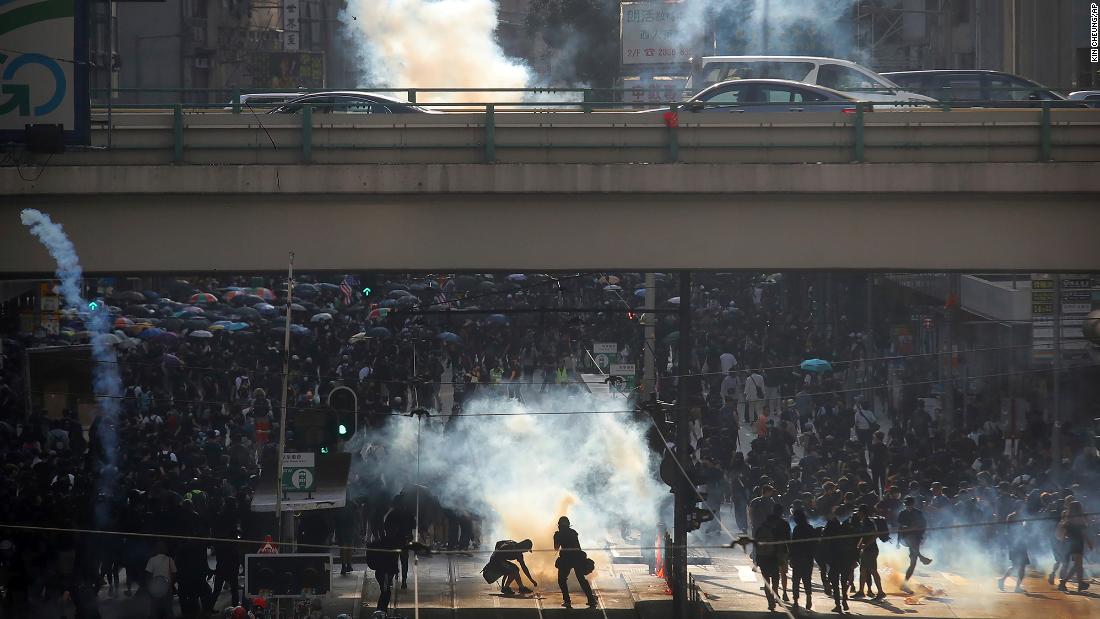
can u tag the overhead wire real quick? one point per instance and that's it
(398, 414)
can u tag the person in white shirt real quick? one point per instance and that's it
(161, 573)
(728, 362)
(754, 393)
(866, 423)
(730, 390)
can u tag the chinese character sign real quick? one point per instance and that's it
(291, 25)
(650, 34)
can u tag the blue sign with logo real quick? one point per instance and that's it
(44, 67)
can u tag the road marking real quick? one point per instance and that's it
(745, 573)
(955, 579)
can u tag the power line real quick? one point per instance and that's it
(428, 550)
(499, 385)
(334, 377)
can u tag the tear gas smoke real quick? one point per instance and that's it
(518, 473)
(774, 27)
(435, 43)
(107, 383)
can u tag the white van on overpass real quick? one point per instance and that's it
(843, 75)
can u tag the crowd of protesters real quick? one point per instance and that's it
(200, 408)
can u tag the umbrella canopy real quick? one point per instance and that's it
(608, 279)
(306, 290)
(398, 293)
(201, 334)
(131, 296)
(327, 287)
(487, 286)
(294, 330)
(248, 299)
(379, 313)
(294, 307)
(166, 337)
(203, 297)
(266, 310)
(379, 332)
(450, 338)
(387, 303)
(359, 337)
(233, 294)
(172, 360)
(640, 293)
(151, 333)
(407, 301)
(123, 322)
(196, 323)
(322, 317)
(107, 339)
(613, 288)
(246, 313)
(674, 300)
(151, 295)
(516, 278)
(496, 319)
(816, 366)
(266, 294)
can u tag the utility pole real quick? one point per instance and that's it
(1056, 426)
(282, 413)
(650, 325)
(682, 499)
(950, 333)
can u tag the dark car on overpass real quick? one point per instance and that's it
(980, 88)
(768, 95)
(350, 102)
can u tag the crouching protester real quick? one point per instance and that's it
(503, 566)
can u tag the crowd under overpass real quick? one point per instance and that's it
(978, 191)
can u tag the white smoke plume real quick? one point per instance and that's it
(775, 27)
(435, 44)
(107, 382)
(519, 472)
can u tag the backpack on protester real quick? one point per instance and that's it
(873, 426)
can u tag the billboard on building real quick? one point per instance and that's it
(43, 68)
(297, 69)
(650, 34)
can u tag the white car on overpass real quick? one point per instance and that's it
(840, 75)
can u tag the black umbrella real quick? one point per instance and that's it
(131, 296)
(246, 313)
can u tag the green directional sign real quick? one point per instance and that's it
(299, 474)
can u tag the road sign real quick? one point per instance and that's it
(299, 474)
(602, 361)
(605, 348)
(622, 369)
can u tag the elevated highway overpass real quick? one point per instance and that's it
(928, 190)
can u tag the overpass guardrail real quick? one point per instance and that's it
(584, 131)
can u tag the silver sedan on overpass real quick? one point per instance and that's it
(767, 95)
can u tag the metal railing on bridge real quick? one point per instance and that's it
(572, 126)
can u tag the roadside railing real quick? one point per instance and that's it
(582, 129)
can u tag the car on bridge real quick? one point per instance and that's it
(350, 102)
(1090, 97)
(840, 75)
(263, 100)
(751, 95)
(981, 88)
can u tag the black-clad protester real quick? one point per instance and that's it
(572, 559)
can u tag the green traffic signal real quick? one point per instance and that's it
(366, 292)
(342, 429)
(324, 450)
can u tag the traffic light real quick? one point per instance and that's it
(697, 515)
(287, 575)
